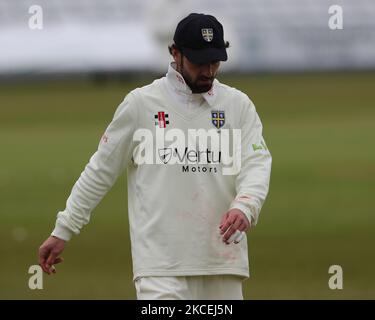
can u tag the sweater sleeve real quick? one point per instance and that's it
(252, 182)
(112, 156)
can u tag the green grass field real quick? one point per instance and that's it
(320, 210)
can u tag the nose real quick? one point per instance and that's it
(208, 70)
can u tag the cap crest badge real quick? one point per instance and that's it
(207, 34)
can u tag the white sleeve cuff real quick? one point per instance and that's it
(62, 232)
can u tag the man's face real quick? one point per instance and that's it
(199, 77)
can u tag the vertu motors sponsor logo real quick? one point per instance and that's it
(198, 147)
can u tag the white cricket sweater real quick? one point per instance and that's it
(175, 209)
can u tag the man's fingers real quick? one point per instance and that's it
(43, 254)
(49, 253)
(47, 266)
(242, 226)
(58, 260)
(236, 225)
(236, 231)
(239, 237)
(44, 268)
(233, 226)
(52, 258)
(239, 226)
(223, 219)
(228, 234)
(50, 268)
(227, 223)
(42, 263)
(233, 237)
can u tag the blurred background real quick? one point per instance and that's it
(66, 65)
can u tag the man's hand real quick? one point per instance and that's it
(49, 253)
(232, 221)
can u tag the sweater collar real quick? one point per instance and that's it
(177, 83)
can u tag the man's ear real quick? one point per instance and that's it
(176, 54)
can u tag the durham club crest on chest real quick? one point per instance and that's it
(218, 118)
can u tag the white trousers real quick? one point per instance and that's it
(210, 287)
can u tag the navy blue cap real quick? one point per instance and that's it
(200, 37)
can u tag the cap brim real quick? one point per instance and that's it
(203, 56)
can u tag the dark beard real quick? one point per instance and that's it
(195, 88)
